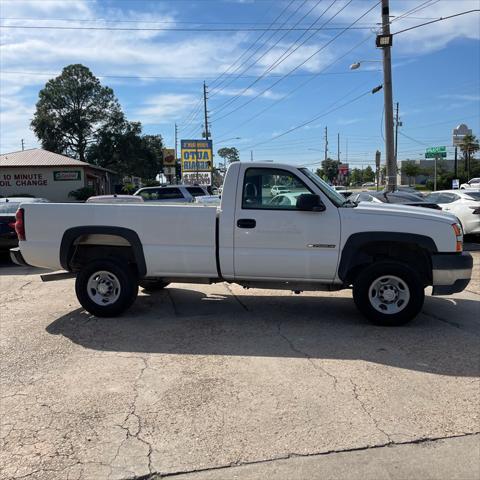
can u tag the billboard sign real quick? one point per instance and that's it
(459, 133)
(168, 157)
(197, 161)
(436, 152)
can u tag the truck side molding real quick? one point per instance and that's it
(72, 234)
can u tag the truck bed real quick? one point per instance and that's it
(176, 239)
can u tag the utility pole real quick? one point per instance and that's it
(455, 166)
(176, 142)
(326, 143)
(338, 147)
(435, 174)
(23, 145)
(396, 133)
(388, 100)
(251, 155)
(207, 134)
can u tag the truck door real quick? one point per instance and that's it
(274, 240)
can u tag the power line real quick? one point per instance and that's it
(298, 66)
(316, 117)
(279, 59)
(441, 19)
(427, 3)
(249, 49)
(271, 48)
(298, 87)
(156, 77)
(265, 42)
(159, 29)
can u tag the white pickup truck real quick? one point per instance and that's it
(319, 241)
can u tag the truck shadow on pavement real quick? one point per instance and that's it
(178, 321)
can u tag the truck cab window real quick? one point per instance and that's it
(272, 189)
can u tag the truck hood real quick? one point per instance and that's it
(390, 209)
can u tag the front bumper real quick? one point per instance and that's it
(451, 273)
(17, 257)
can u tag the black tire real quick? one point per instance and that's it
(402, 310)
(120, 273)
(152, 285)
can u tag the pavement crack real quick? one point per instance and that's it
(227, 286)
(136, 431)
(369, 415)
(162, 475)
(310, 359)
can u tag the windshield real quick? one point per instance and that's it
(473, 195)
(336, 198)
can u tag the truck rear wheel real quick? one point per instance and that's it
(389, 293)
(106, 288)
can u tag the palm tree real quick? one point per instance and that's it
(469, 145)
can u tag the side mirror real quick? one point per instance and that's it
(308, 202)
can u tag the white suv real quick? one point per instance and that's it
(473, 183)
(278, 189)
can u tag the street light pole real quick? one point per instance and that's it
(388, 101)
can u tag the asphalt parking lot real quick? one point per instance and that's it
(218, 382)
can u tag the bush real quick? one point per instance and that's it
(82, 193)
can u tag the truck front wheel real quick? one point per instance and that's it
(106, 288)
(389, 293)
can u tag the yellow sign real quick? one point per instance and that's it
(169, 157)
(197, 156)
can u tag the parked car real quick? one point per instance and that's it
(8, 209)
(285, 200)
(387, 253)
(208, 199)
(473, 183)
(409, 189)
(172, 193)
(368, 184)
(464, 204)
(393, 197)
(277, 189)
(115, 199)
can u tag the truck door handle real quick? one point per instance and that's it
(246, 223)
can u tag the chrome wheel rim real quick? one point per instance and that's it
(389, 294)
(103, 288)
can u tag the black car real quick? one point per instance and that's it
(397, 197)
(8, 208)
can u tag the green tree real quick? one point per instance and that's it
(124, 149)
(356, 176)
(368, 174)
(229, 154)
(330, 168)
(411, 170)
(72, 109)
(320, 173)
(469, 145)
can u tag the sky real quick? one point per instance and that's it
(277, 72)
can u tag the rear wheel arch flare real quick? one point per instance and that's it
(67, 246)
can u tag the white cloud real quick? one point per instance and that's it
(461, 96)
(161, 109)
(349, 121)
(250, 92)
(421, 40)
